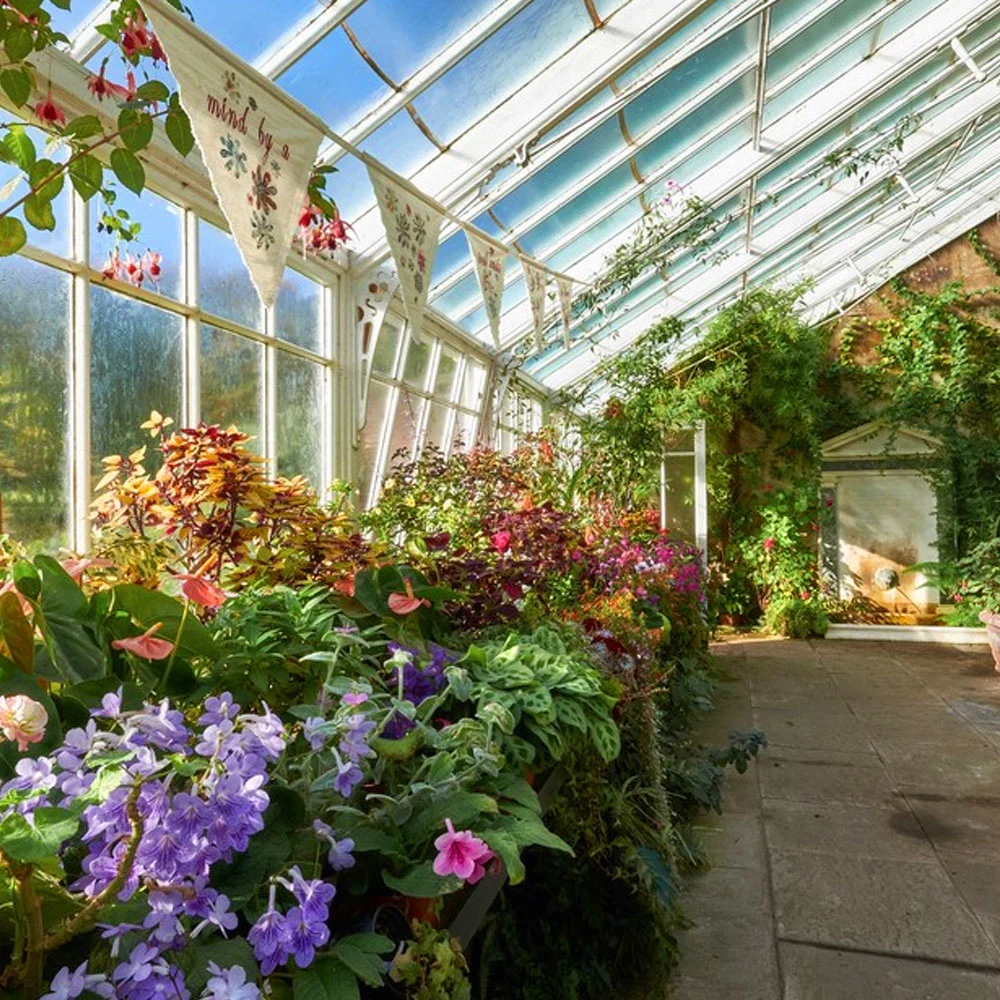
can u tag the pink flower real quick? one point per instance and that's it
(49, 112)
(768, 544)
(77, 567)
(136, 36)
(146, 645)
(480, 870)
(201, 591)
(354, 698)
(404, 604)
(459, 852)
(151, 264)
(501, 541)
(22, 719)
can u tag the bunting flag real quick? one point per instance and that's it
(536, 280)
(412, 226)
(490, 260)
(564, 286)
(258, 148)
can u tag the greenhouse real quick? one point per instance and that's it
(500, 499)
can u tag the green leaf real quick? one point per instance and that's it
(421, 882)
(27, 579)
(17, 641)
(460, 807)
(178, 127)
(38, 213)
(16, 85)
(87, 175)
(326, 979)
(147, 607)
(47, 179)
(529, 831)
(20, 146)
(607, 739)
(19, 42)
(12, 235)
(84, 127)
(136, 130)
(361, 953)
(504, 846)
(571, 713)
(128, 169)
(267, 854)
(64, 614)
(23, 841)
(152, 90)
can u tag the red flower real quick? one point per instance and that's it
(345, 586)
(438, 542)
(136, 37)
(404, 604)
(512, 590)
(49, 112)
(501, 541)
(146, 645)
(768, 544)
(201, 591)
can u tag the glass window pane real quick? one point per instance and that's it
(437, 425)
(404, 428)
(473, 385)
(298, 312)
(418, 357)
(225, 287)
(371, 435)
(444, 378)
(135, 367)
(231, 381)
(34, 332)
(464, 436)
(299, 396)
(162, 233)
(680, 497)
(384, 357)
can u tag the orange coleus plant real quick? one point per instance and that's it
(212, 511)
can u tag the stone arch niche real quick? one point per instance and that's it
(880, 517)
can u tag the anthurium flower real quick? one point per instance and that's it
(501, 540)
(458, 853)
(404, 604)
(22, 719)
(146, 645)
(77, 567)
(203, 592)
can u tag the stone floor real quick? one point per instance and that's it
(859, 858)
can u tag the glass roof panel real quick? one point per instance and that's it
(67, 21)
(333, 80)
(252, 26)
(401, 35)
(400, 145)
(498, 68)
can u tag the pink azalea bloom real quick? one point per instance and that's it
(49, 112)
(201, 591)
(146, 645)
(458, 853)
(404, 604)
(22, 719)
(501, 541)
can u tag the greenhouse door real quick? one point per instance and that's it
(684, 489)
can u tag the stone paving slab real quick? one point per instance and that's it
(861, 856)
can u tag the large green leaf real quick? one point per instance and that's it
(136, 128)
(147, 607)
(64, 614)
(87, 175)
(39, 839)
(460, 807)
(16, 85)
(326, 979)
(361, 953)
(421, 882)
(17, 641)
(606, 738)
(178, 127)
(38, 213)
(12, 235)
(128, 169)
(505, 847)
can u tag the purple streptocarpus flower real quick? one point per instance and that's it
(349, 776)
(313, 895)
(340, 857)
(229, 984)
(68, 985)
(305, 936)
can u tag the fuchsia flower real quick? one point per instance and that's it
(146, 645)
(203, 592)
(22, 719)
(49, 112)
(404, 604)
(501, 541)
(461, 853)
